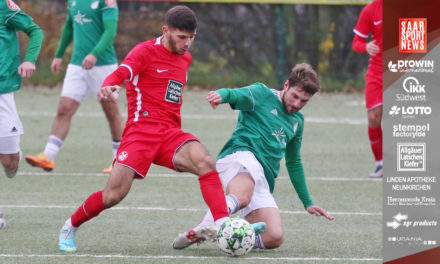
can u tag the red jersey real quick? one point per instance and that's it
(370, 20)
(156, 82)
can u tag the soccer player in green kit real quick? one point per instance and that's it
(13, 19)
(270, 127)
(92, 25)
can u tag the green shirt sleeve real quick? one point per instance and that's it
(243, 98)
(110, 28)
(35, 39)
(295, 168)
(66, 38)
(19, 20)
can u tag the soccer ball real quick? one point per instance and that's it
(236, 237)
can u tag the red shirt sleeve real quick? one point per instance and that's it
(364, 23)
(137, 59)
(359, 44)
(117, 77)
(362, 29)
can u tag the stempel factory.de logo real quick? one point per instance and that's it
(412, 35)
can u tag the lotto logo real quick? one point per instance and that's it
(412, 35)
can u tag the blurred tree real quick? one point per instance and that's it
(236, 43)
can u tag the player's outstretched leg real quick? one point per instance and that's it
(202, 233)
(67, 241)
(259, 228)
(42, 161)
(198, 234)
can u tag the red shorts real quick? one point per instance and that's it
(373, 89)
(146, 143)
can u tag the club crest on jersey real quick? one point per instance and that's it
(110, 3)
(123, 156)
(13, 6)
(174, 92)
(94, 5)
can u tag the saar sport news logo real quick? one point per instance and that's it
(413, 91)
(409, 111)
(412, 35)
(411, 66)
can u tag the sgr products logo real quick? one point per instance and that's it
(410, 111)
(411, 156)
(410, 131)
(412, 35)
(415, 91)
(411, 66)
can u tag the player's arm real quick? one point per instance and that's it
(66, 38)
(362, 30)
(239, 98)
(135, 62)
(112, 83)
(27, 68)
(22, 21)
(297, 177)
(106, 40)
(109, 34)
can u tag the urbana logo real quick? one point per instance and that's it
(415, 92)
(410, 111)
(411, 66)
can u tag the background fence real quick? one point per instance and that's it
(236, 44)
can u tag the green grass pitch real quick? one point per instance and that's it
(335, 153)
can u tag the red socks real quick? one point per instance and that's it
(210, 185)
(375, 135)
(89, 209)
(213, 194)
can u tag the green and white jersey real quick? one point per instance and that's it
(264, 127)
(12, 19)
(87, 18)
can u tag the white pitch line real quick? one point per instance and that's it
(182, 175)
(142, 208)
(233, 116)
(183, 257)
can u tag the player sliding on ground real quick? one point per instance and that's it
(269, 127)
(156, 73)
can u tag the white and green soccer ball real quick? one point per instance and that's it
(236, 237)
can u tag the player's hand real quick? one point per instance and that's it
(318, 211)
(56, 65)
(106, 93)
(214, 99)
(89, 62)
(372, 48)
(26, 69)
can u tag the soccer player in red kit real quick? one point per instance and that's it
(370, 20)
(156, 73)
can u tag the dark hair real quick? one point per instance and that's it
(181, 17)
(304, 76)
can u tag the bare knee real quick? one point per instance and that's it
(272, 239)
(206, 164)
(244, 198)
(375, 117)
(111, 111)
(111, 198)
(65, 110)
(374, 121)
(10, 161)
